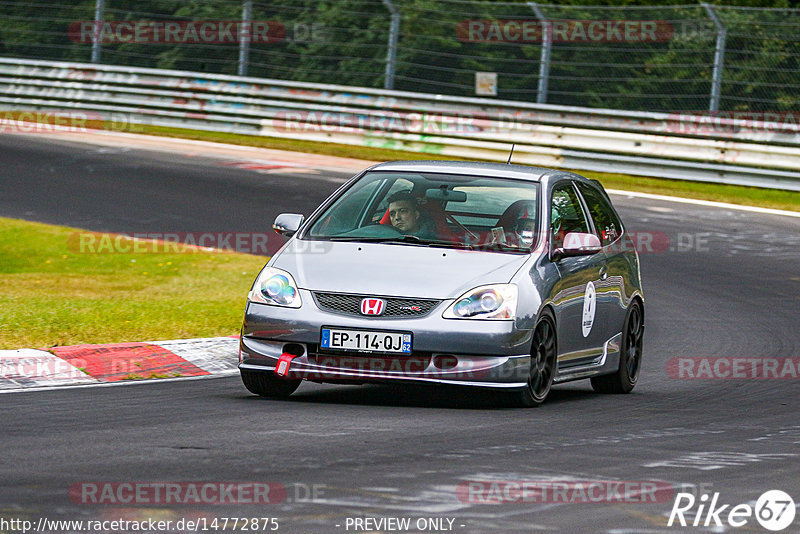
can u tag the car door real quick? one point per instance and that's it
(611, 288)
(580, 327)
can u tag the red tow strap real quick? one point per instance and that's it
(282, 369)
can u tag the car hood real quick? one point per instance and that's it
(393, 269)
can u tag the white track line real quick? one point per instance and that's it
(710, 203)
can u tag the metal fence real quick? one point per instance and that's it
(77, 96)
(658, 58)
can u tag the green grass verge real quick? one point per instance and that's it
(52, 294)
(750, 196)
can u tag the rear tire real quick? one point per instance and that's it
(265, 384)
(630, 355)
(543, 363)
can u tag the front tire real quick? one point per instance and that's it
(630, 356)
(543, 363)
(265, 384)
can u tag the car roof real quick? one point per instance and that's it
(471, 168)
(479, 168)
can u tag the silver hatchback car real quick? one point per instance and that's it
(474, 274)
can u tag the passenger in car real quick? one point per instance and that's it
(524, 231)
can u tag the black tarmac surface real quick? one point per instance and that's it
(728, 286)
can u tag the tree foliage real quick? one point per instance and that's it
(345, 42)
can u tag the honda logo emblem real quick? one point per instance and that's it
(372, 306)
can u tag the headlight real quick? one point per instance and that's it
(276, 287)
(498, 301)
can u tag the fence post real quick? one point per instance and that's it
(719, 58)
(391, 53)
(99, 12)
(245, 31)
(544, 59)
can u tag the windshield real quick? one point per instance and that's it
(428, 209)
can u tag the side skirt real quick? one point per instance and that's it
(606, 363)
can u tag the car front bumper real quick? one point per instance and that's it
(449, 351)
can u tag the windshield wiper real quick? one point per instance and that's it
(412, 239)
(397, 239)
(450, 244)
(503, 247)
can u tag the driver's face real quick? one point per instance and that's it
(404, 216)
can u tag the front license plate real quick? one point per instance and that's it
(366, 341)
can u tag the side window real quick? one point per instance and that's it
(485, 205)
(347, 211)
(605, 220)
(566, 215)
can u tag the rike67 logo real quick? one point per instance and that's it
(774, 510)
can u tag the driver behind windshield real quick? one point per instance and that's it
(405, 216)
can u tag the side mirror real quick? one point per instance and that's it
(287, 224)
(577, 244)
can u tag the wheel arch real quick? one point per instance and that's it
(547, 308)
(637, 297)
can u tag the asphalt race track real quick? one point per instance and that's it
(728, 285)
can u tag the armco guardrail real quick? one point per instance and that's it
(684, 146)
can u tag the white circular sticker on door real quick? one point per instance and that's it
(589, 307)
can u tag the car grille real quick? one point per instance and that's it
(347, 304)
